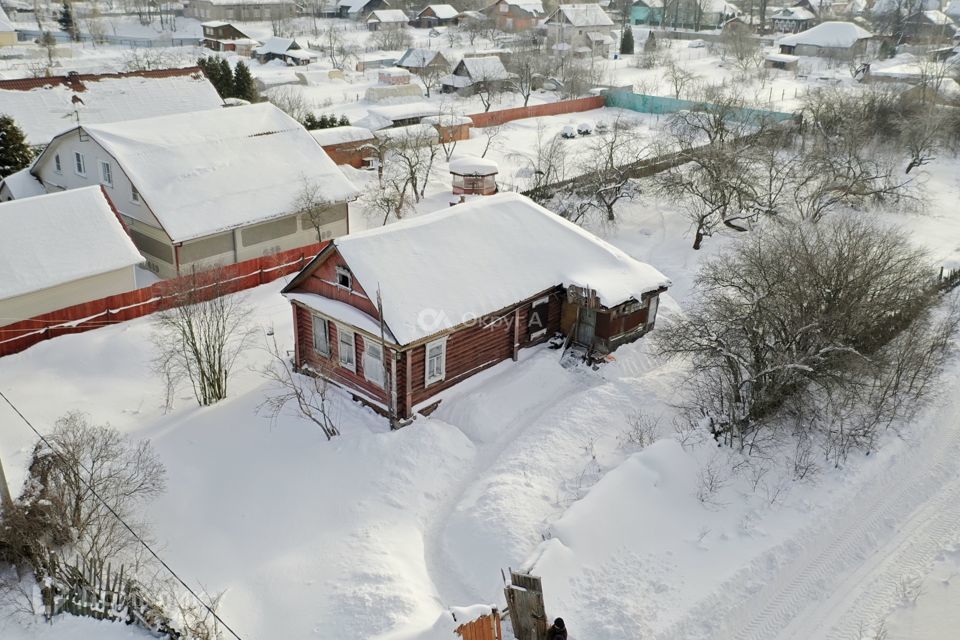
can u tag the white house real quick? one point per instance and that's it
(581, 26)
(475, 71)
(44, 107)
(384, 19)
(205, 188)
(62, 249)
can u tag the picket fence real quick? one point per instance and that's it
(140, 302)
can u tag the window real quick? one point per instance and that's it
(78, 163)
(106, 173)
(436, 369)
(321, 336)
(134, 194)
(373, 362)
(57, 166)
(344, 279)
(346, 348)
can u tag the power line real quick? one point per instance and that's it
(121, 520)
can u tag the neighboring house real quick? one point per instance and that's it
(699, 14)
(62, 249)
(436, 15)
(346, 145)
(839, 40)
(475, 71)
(646, 12)
(397, 115)
(421, 61)
(21, 184)
(223, 36)
(285, 49)
(359, 9)
(43, 107)
(205, 188)
(929, 27)
(397, 331)
(8, 33)
(792, 19)
(384, 19)
(240, 10)
(953, 9)
(581, 27)
(516, 15)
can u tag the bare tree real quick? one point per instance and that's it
(743, 48)
(680, 79)
(200, 334)
(606, 172)
(492, 134)
(524, 68)
(391, 39)
(308, 394)
(292, 101)
(546, 166)
(390, 196)
(831, 324)
(80, 474)
(313, 207)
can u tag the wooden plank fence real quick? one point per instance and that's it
(486, 627)
(18, 336)
(494, 118)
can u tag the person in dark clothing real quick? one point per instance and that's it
(558, 631)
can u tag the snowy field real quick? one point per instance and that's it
(376, 534)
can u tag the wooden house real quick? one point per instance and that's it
(207, 188)
(835, 40)
(386, 19)
(286, 49)
(396, 331)
(423, 61)
(471, 73)
(646, 12)
(223, 36)
(240, 10)
(929, 27)
(359, 9)
(435, 15)
(792, 19)
(516, 15)
(584, 27)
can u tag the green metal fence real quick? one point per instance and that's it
(643, 103)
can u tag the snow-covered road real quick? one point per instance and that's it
(847, 571)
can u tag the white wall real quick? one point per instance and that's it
(66, 295)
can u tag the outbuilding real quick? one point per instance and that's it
(474, 176)
(838, 40)
(490, 277)
(62, 249)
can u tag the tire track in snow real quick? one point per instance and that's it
(913, 505)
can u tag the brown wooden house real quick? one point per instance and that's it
(223, 36)
(400, 313)
(516, 15)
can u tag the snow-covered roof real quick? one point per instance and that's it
(584, 15)
(43, 107)
(276, 45)
(341, 135)
(417, 58)
(781, 57)
(441, 11)
(828, 34)
(387, 15)
(23, 184)
(473, 166)
(439, 270)
(794, 13)
(58, 238)
(405, 111)
(458, 82)
(937, 17)
(409, 132)
(652, 4)
(485, 68)
(5, 24)
(447, 120)
(211, 171)
(534, 7)
(213, 24)
(353, 6)
(340, 311)
(599, 38)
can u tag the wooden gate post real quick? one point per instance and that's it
(525, 600)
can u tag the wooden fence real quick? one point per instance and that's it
(140, 302)
(494, 118)
(486, 627)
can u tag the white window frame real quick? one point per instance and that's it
(344, 271)
(134, 195)
(57, 163)
(343, 332)
(317, 320)
(79, 164)
(442, 374)
(106, 173)
(373, 367)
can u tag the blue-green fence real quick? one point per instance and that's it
(643, 103)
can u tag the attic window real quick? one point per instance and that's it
(344, 278)
(57, 166)
(79, 165)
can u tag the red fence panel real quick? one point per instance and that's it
(21, 335)
(493, 118)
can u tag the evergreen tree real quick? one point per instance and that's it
(226, 89)
(626, 42)
(66, 21)
(344, 121)
(310, 122)
(15, 154)
(243, 85)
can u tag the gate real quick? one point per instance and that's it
(525, 601)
